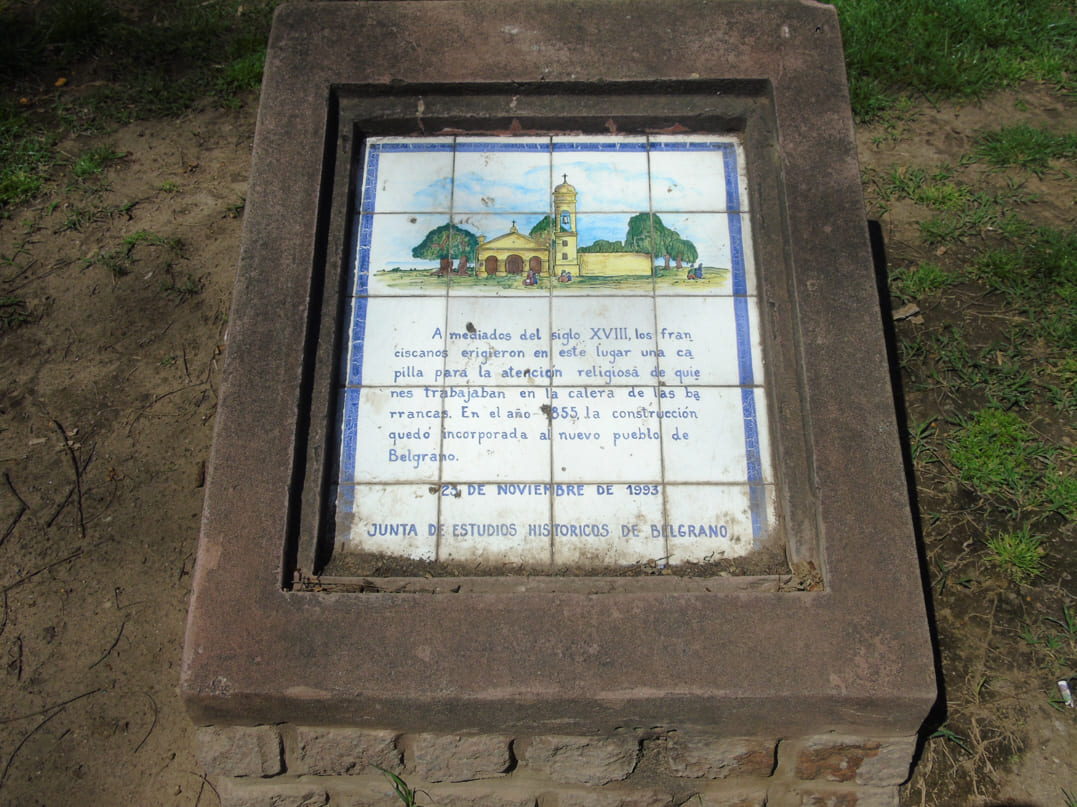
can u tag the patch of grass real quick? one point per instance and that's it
(145, 237)
(94, 160)
(74, 28)
(952, 48)
(408, 796)
(956, 739)
(1068, 622)
(182, 291)
(26, 154)
(152, 62)
(77, 216)
(917, 281)
(920, 436)
(169, 186)
(13, 312)
(1018, 554)
(119, 260)
(1045, 265)
(1024, 146)
(234, 211)
(1054, 641)
(22, 41)
(963, 211)
(1060, 490)
(999, 456)
(241, 74)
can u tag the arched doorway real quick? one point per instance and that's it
(535, 265)
(490, 265)
(514, 265)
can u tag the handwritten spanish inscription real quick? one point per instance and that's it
(554, 354)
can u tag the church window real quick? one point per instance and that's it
(564, 243)
(566, 220)
(564, 256)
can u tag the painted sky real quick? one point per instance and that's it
(485, 187)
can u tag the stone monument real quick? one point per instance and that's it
(556, 460)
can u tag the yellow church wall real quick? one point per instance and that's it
(502, 256)
(598, 264)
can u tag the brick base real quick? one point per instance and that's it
(303, 766)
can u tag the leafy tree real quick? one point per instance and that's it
(602, 245)
(648, 234)
(541, 231)
(681, 250)
(639, 237)
(446, 244)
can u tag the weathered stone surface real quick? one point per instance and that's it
(609, 797)
(455, 758)
(846, 797)
(583, 760)
(482, 796)
(713, 758)
(343, 751)
(729, 798)
(270, 794)
(499, 663)
(855, 759)
(891, 766)
(239, 750)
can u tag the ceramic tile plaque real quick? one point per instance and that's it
(554, 353)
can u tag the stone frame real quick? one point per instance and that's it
(854, 658)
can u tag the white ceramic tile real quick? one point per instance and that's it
(612, 524)
(607, 174)
(709, 522)
(554, 397)
(696, 238)
(599, 341)
(386, 265)
(411, 174)
(389, 519)
(396, 434)
(585, 265)
(708, 439)
(502, 174)
(495, 434)
(403, 342)
(689, 174)
(698, 340)
(495, 343)
(606, 434)
(496, 525)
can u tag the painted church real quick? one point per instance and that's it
(515, 253)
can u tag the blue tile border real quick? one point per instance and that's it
(363, 229)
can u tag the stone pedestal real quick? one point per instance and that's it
(804, 687)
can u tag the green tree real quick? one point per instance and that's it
(640, 237)
(602, 245)
(681, 249)
(541, 231)
(446, 244)
(648, 234)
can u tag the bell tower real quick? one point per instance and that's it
(563, 235)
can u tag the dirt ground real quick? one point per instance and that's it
(107, 398)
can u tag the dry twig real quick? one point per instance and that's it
(78, 475)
